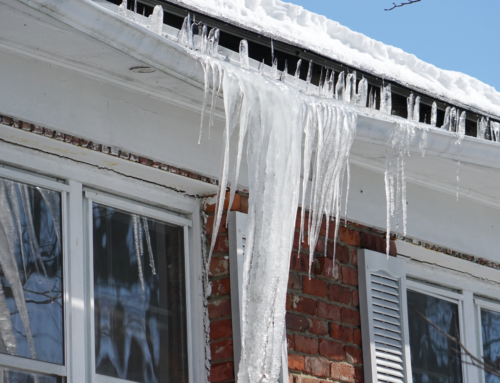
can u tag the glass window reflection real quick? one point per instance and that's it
(434, 358)
(139, 298)
(31, 286)
(490, 328)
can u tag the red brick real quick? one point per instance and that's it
(377, 244)
(354, 257)
(342, 372)
(357, 337)
(222, 349)
(341, 333)
(219, 266)
(349, 237)
(221, 329)
(299, 263)
(331, 229)
(317, 366)
(296, 362)
(327, 311)
(341, 252)
(288, 302)
(324, 267)
(339, 294)
(355, 353)
(305, 242)
(359, 375)
(350, 316)
(294, 281)
(289, 342)
(313, 286)
(210, 208)
(219, 309)
(306, 379)
(303, 305)
(306, 220)
(355, 298)
(244, 204)
(210, 224)
(221, 287)
(317, 326)
(222, 371)
(349, 276)
(305, 344)
(296, 322)
(221, 245)
(331, 350)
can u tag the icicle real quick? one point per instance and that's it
(461, 126)
(495, 131)
(362, 95)
(6, 331)
(156, 22)
(354, 83)
(274, 70)
(216, 82)
(297, 72)
(385, 99)
(453, 120)
(309, 75)
(434, 114)
(446, 124)
(206, 71)
(284, 74)
(374, 100)
(185, 37)
(135, 8)
(261, 67)
(204, 39)
(272, 50)
(244, 61)
(52, 200)
(416, 110)
(348, 88)
(370, 100)
(486, 128)
(123, 8)
(321, 80)
(329, 91)
(136, 225)
(145, 226)
(410, 103)
(213, 42)
(339, 89)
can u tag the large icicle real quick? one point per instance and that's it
(385, 99)
(362, 95)
(495, 131)
(416, 110)
(137, 229)
(156, 20)
(272, 118)
(339, 89)
(244, 61)
(434, 114)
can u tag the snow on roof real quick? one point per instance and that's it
(295, 25)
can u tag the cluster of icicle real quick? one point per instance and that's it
(16, 198)
(141, 230)
(280, 126)
(154, 22)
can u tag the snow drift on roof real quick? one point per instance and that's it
(293, 24)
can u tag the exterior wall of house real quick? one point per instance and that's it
(323, 319)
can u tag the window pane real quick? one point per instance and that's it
(490, 325)
(31, 289)
(139, 293)
(434, 358)
(13, 376)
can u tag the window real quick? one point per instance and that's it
(415, 330)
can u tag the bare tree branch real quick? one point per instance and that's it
(402, 4)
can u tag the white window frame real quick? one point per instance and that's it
(25, 364)
(481, 303)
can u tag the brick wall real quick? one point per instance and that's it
(323, 320)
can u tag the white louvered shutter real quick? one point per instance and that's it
(384, 318)
(237, 225)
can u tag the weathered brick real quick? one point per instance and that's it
(317, 326)
(221, 329)
(222, 349)
(306, 379)
(355, 353)
(349, 237)
(219, 266)
(296, 362)
(341, 252)
(317, 366)
(339, 294)
(350, 316)
(210, 207)
(378, 244)
(220, 372)
(331, 350)
(303, 305)
(244, 204)
(294, 281)
(313, 286)
(305, 344)
(349, 276)
(341, 333)
(296, 322)
(299, 263)
(305, 242)
(327, 311)
(221, 245)
(359, 375)
(357, 337)
(342, 372)
(325, 267)
(355, 298)
(210, 225)
(354, 257)
(219, 309)
(289, 342)
(221, 287)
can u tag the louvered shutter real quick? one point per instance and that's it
(237, 225)
(384, 318)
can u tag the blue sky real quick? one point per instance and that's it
(458, 35)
